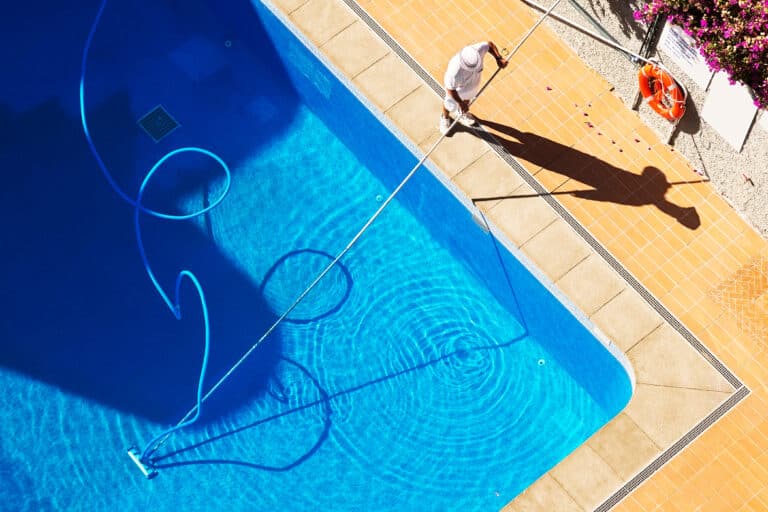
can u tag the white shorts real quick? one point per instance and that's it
(450, 104)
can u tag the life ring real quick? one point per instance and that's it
(661, 92)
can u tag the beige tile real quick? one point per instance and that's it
(586, 477)
(320, 20)
(355, 48)
(627, 318)
(556, 249)
(520, 219)
(544, 494)
(665, 358)
(665, 413)
(591, 284)
(416, 114)
(456, 152)
(624, 446)
(288, 6)
(387, 81)
(487, 180)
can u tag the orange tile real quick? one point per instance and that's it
(715, 473)
(648, 495)
(660, 283)
(630, 504)
(680, 500)
(707, 309)
(715, 504)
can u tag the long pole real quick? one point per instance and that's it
(156, 444)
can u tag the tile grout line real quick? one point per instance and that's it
(534, 235)
(564, 489)
(297, 7)
(402, 98)
(373, 63)
(655, 385)
(643, 338)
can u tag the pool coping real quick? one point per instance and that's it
(739, 390)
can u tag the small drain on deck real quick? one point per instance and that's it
(158, 123)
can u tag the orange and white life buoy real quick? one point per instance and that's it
(661, 92)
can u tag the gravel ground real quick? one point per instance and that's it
(704, 148)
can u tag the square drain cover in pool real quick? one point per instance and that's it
(158, 123)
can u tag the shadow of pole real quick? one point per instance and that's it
(324, 401)
(609, 183)
(564, 192)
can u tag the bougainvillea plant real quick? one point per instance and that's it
(732, 35)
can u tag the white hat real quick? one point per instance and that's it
(469, 58)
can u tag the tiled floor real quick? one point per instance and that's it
(637, 197)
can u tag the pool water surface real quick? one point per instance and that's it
(429, 370)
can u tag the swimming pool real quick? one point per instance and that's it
(429, 370)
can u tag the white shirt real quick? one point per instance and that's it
(465, 82)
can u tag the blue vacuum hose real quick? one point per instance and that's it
(143, 460)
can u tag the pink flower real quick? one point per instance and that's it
(730, 34)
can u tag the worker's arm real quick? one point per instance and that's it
(500, 61)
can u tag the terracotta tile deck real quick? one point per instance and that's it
(637, 197)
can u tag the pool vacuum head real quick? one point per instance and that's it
(148, 471)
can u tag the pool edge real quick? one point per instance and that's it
(739, 390)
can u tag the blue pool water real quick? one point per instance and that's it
(429, 370)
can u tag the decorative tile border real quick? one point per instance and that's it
(744, 296)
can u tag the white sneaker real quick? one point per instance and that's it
(445, 125)
(467, 119)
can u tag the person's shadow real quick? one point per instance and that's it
(609, 183)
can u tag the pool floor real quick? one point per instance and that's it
(365, 418)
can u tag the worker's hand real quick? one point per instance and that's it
(501, 62)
